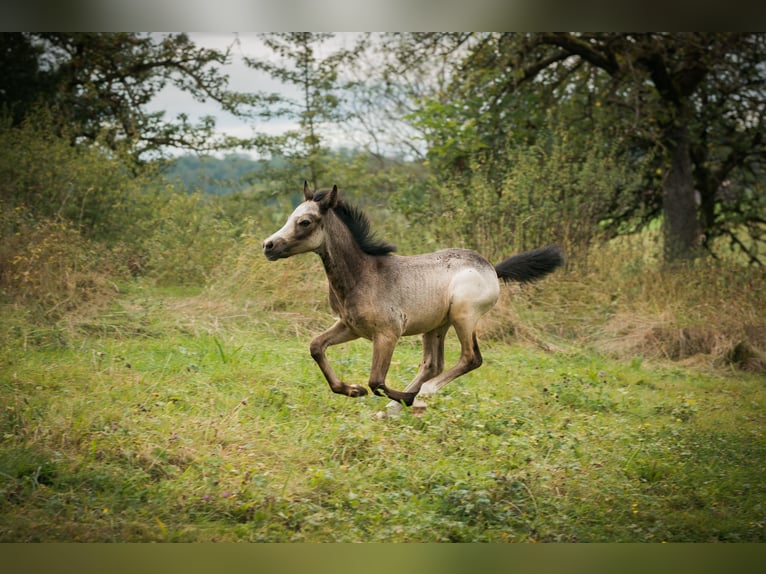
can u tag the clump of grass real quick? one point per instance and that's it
(616, 300)
(291, 295)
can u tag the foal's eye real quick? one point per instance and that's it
(304, 222)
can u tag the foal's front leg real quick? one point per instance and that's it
(338, 333)
(383, 346)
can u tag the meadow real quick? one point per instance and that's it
(155, 377)
(615, 414)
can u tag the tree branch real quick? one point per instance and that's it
(573, 45)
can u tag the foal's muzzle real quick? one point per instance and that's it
(273, 250)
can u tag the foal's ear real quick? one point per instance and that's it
(307, 193)
(329, 200)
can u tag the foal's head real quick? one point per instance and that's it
(307, 227)
(303, 231)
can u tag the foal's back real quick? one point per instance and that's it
(430, 289)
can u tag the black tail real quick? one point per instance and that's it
(530, 265)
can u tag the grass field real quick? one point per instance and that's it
(173, 415)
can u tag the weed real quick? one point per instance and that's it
(589, 392)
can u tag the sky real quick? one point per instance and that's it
(242, 79)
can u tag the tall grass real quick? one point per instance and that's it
(620, 300)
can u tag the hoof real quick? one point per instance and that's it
(393, 411)
(356, 391)
(401, 397)
(418, 407)
(408, 399)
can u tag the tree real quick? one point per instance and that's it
(22, 82)
(697, 99)
(317, 102)
(691, 76)
(101, 84)
(400, 75)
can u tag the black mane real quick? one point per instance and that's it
(359, 226)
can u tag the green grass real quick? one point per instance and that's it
(174, 417)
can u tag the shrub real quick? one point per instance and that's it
(188, 236)
(619, 299)
(100, 193)
(70, 218)
(52, 269)
(547, 192)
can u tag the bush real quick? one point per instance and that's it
(618, 298)
(70, 218)
(51, 269)
(100, 193)
(188, 237)
(548, 192)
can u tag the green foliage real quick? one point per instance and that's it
(22, 83)
(78, 219)
(187, 237)
(301, 65)
(547, 192)
(664, 96)
(87, 186)
(102, 84)
(70, 218)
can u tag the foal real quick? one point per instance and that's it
(381, 296)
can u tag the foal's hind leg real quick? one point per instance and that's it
(470, 359)
(472, 293)
(431, 365)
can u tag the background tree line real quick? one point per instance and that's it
(522, 138)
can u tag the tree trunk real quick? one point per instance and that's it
(681, 230)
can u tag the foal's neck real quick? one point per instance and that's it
(344, 261)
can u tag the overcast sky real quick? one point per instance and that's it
(242, 79)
